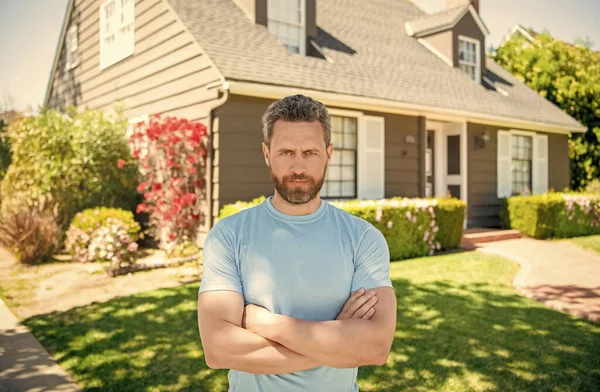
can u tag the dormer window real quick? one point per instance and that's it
(286, 20)
(468, 57)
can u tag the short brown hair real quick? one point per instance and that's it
(296, 108)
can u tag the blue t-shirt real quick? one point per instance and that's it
(304, 267)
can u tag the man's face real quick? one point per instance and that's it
(297, 160)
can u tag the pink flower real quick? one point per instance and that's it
(426, 235)
(120, 163)
(389, 225)
(132, 247)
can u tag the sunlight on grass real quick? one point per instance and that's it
(591, 242)
(461, 327)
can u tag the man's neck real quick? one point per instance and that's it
(295, 209)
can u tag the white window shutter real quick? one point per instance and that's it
(371, 153)
(540, 164)
(504, 165)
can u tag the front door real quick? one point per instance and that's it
(447, 144)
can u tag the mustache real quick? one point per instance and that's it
(297, 177)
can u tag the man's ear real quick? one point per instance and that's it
(329, 151)
(266, 153)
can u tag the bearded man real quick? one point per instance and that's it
(295, 293)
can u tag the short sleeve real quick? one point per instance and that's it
(372, 261)
(219, 267)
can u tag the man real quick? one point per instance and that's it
(280, 303)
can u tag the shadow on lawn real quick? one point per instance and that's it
(146, 342)
(484, 337)
(449, 336)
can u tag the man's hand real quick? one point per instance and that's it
(360, 305)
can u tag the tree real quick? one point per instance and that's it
(568, 76)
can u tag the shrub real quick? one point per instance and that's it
(104, 235)
(412, 227)
(171, 154)
(30, 233)
(72, 157)
(593, 187)
(230, 209)
(552, 215)
(5, 155)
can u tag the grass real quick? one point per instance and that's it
(591, 242)
(461, 327)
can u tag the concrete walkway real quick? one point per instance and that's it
(24, 364)
(558, 274)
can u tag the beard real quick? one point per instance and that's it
(297, 194)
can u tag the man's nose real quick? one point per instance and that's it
(298, 165)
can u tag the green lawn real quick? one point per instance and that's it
(461, 327)
(591, 242)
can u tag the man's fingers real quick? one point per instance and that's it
(369, 314)
(351, 300)
(366, 307)
(359, 302)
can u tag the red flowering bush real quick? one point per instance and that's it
(171, 154)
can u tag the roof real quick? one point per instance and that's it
(441, 21)
(371, 56)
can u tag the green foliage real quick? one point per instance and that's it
(568, 76)
(183, 249)
(230, 209)
(450, 214)
(5, 156)
(92, 218)
(412, 227)
(593, 187)
(71, 158)
(552, 215)
(103, 234)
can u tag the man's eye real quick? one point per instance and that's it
(286, 153)
(310, 153)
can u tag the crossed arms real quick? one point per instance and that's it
(254, 340)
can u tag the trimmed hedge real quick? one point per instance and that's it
(552, 215)
(412, 227)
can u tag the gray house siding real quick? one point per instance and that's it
(168, 73)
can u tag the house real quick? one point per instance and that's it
(417, 108)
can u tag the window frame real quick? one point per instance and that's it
(477, 63)
(355, 115)
(302, 26)
(72, 60)
(532, 136)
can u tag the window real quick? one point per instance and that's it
(71, 48)
(286, 22)
(340, 180)
(521, 157)
(117, 19)
(468, 57)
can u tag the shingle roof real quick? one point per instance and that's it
(441, 20)
(372, 56)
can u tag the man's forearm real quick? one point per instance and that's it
(242, 350)
(337, 343)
